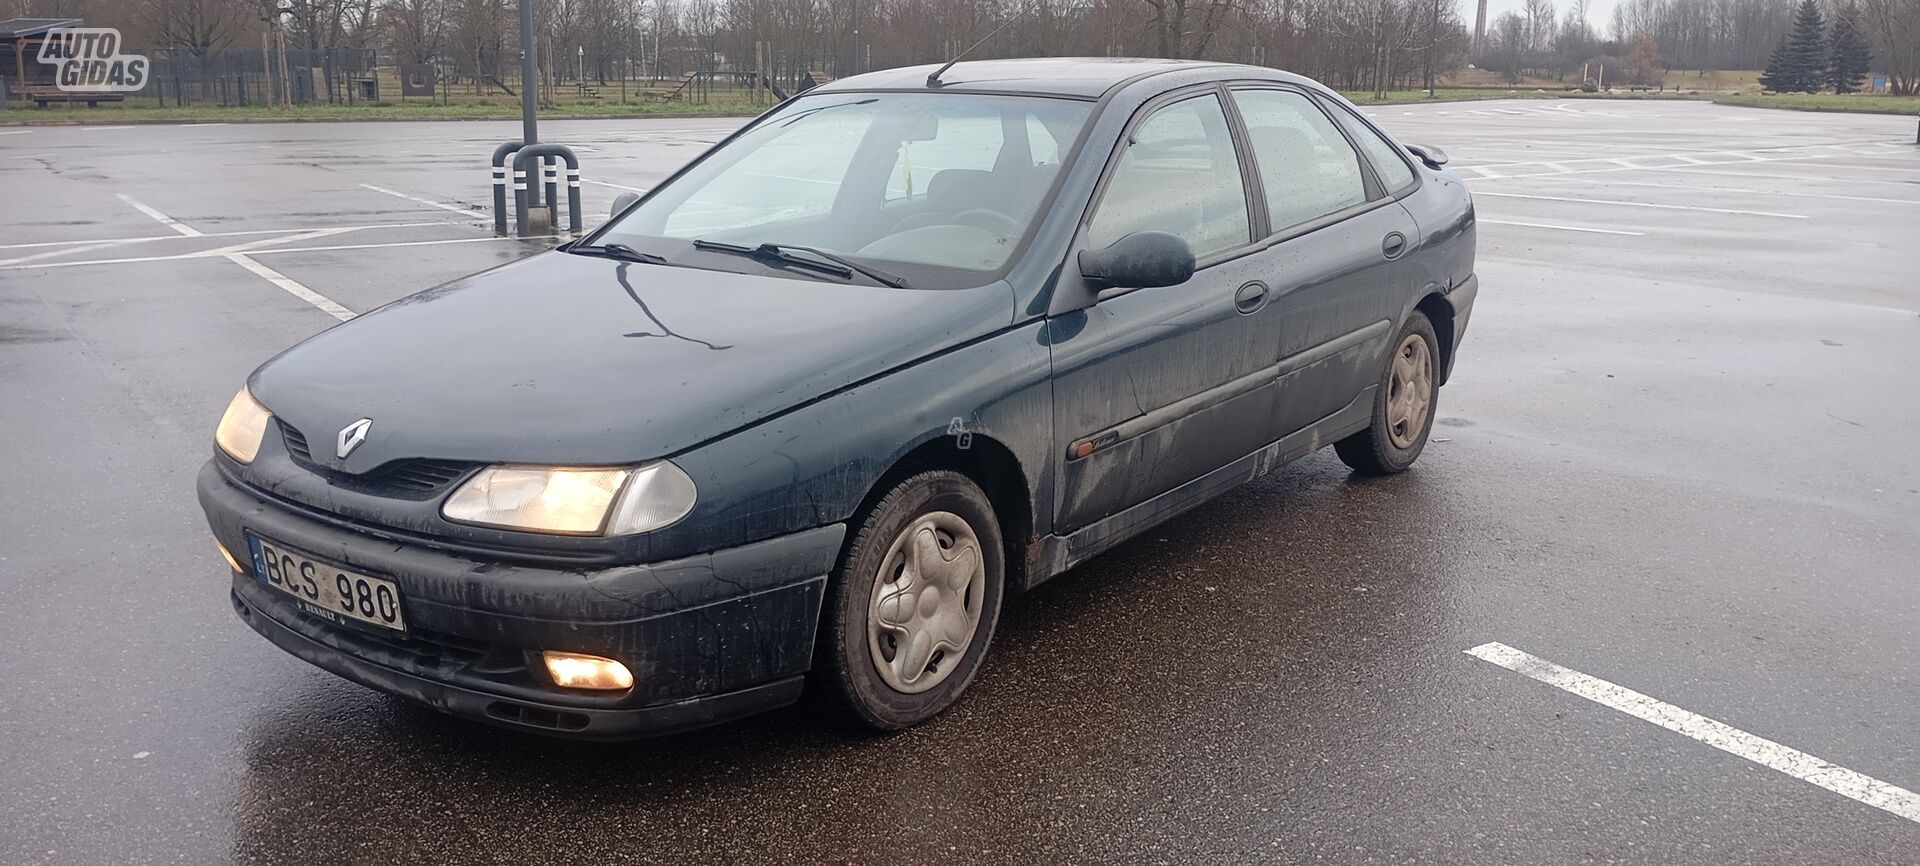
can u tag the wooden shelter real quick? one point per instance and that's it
(28, 78)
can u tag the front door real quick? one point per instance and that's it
(1157, 387)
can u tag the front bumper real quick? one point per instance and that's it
(709, 638)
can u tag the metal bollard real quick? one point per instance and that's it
(499, 162)
(550, 175)
(533, 158)
(573, 198)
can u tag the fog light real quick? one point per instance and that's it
(578, 671)
(228, 554)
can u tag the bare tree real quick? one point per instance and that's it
(196, 27)
(1183, 28)
(1894, 28)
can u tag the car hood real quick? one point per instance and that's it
(570, 359)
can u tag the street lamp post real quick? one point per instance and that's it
(854, 67)
(529, 131)
(1433, 37)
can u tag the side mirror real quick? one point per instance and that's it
(1434, 157)
(1142, 260)
(623, 201)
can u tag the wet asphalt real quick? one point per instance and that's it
(1677, 454)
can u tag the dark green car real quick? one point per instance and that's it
(808, 413)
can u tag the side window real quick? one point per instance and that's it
(1179, 175)
(967, 143)
(1307, 166)
(1386, 158)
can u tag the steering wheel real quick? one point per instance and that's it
(988, 220)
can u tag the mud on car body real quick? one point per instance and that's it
(808, 413)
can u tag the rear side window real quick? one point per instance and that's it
(1387, 161)
(1307, 166)
(1180, 175)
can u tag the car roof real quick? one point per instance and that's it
(1082, 77)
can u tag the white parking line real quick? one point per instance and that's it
(164, 220)
(67, 250)
(616, 185)
(1767, 753)
(1765, 176)
(459, 209)
(228, 251)
(289, 285)
(1609, 201)
(1735, 189)
(146, 238)
(263, 242)
(16, 131)
(327, 305)
(1561, 227)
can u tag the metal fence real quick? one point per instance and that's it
(345, 76)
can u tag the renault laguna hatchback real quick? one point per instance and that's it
(809, 412)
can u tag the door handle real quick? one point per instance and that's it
(1393, 245)
(1250, 298)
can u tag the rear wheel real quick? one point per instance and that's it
(912, 607)
(1403, 405)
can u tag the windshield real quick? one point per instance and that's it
(939, 189)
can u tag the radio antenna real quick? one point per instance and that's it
(933, 80)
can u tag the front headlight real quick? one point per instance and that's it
(242, 428)
(574, 501)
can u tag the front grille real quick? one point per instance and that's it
(426, 476)
(411, 478)
(427, 647)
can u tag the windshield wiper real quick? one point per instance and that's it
(784, 253)
(619, 251)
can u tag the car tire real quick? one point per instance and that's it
(925, 564)
(1404, 404)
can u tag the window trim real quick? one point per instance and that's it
(1369, 180)
(1333, 107)
(1256, 220)
(1372, 183)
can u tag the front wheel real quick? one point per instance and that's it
(912, 606)
(1403, 405)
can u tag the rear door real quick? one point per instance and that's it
(1334, 253)
(1156, 387)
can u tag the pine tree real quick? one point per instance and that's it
(1848, 56)
(1799, 64)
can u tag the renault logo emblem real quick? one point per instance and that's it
(351, 436)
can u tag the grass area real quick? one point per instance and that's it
(1724, 80)
(1871, 104)
(490, 109)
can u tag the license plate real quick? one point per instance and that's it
(326, 590)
